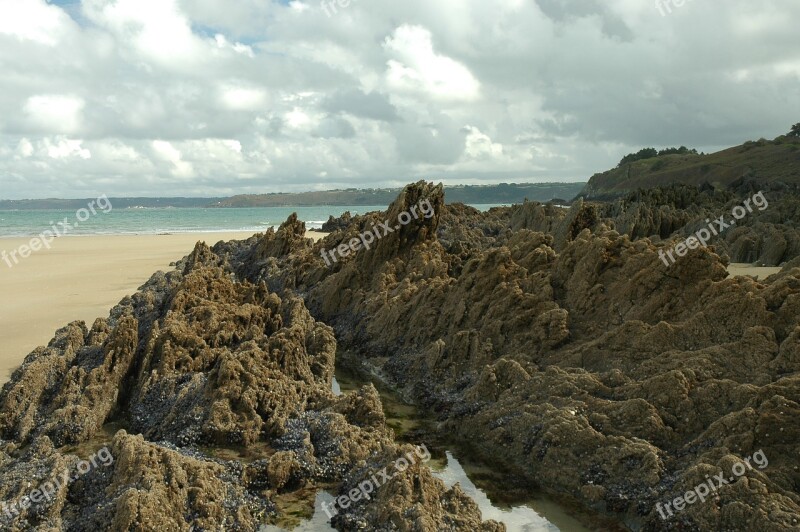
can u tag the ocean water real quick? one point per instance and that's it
(21, 223)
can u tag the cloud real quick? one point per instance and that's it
(167, 152)
(203, 97)
(480, 146)
(158, 30)
(33, 21)
(374, 105)
(54, 113)
(24, 148)
(335, 127)
(63, 148)
(568, 11)
(237, 47)
(242, 98)
(417, 67)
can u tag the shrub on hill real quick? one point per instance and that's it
(649, 153)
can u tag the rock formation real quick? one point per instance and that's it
(197, 361)
(568, 353)
(554, 342)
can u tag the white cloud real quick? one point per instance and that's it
(250, 95)
(479, 145)
(417, 67)
(297, 118)
(158, 29)
(242, 98)
(33, 20)
(167, 152)
(237, 47)
(24, 148)
(115, 151)
(63, 148)
(54, 112)
(299, 6)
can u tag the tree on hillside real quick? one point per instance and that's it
(683, 150)
(795, 132)
(649, 153)
(645, 153)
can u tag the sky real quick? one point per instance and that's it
(215, 98)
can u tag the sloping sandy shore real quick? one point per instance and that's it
(80, 278)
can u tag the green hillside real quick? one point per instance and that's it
(764, 160)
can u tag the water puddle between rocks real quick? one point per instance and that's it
(296, 512)
(520, 512)
(102, 438)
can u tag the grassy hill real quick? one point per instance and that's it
(763, 160)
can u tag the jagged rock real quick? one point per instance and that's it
(197, 359)
(337, 224)
(412, 499)
(593, 367)
(557, 344)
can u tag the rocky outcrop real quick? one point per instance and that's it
(406, 499)
(199, 361)
(764, 244)
(768, 236)
(336, 224)
(554, 342)
(571, 356)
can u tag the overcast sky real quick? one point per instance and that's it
(213, 97)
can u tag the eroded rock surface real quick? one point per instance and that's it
(568, 353)
(198, 364)
(555, 342)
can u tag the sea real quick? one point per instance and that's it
(155, 221)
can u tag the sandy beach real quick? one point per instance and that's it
(759, 272)
(80, 278)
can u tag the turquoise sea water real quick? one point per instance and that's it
(171, 220)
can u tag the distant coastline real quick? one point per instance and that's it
(504, 193)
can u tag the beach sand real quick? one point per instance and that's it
(80, 278)
(759, 272)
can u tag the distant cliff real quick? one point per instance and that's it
(767, 161)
